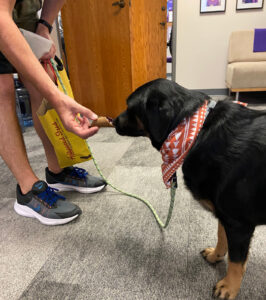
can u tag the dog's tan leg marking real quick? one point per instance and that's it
(229, 286)
(207, 205)
(213, 255)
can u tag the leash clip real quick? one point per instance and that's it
(174, 181)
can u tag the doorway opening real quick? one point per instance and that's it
(171, 39)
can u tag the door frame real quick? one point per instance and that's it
(174, 38)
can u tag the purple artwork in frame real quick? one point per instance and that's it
(248, 4)
(250, 1)
(213, 2)
(207, 6)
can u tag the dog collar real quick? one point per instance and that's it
(180, 140)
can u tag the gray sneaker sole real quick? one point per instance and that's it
(25, 211)
(85, 190)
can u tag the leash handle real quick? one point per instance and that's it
(49, 63)
(53, 63)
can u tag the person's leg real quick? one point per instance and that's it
(34, 198)
(12, 148)
(67, 179)
(36, 100)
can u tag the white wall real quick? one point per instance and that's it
(202, 41)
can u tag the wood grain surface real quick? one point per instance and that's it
(113, 50)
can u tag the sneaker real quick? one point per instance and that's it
(45, 205)
(74, 179)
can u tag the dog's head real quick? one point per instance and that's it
(156, 108)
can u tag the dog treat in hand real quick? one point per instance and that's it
(102, 122)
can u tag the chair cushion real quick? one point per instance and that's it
(246, 75)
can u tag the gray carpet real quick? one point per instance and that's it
(115, 250)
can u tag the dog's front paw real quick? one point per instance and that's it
(211, 255)
(225, 289)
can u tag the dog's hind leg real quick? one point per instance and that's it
(217, 254)
(238, 245)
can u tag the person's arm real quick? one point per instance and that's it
(51, 9)
(17, 51)
(49, 13)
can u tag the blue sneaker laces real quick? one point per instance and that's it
(50, 196)
(79, 172)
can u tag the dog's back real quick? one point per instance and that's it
(227, 164)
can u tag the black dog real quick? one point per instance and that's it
(225, 169)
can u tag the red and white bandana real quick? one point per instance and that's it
(179, 141)
(241, 103)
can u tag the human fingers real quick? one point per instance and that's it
(50, 54)
(85, 112)
(83, 121)
(85, 132)
(82, 130)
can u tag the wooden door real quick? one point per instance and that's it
(112, 50)
(148, 40)
(97, 41)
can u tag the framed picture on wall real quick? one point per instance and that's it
(207, 6)
(249, 4)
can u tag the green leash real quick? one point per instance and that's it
(158, 220)
(147, 203)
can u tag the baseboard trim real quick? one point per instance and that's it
(214, 91)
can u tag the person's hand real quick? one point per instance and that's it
(44, 32)
(68, 110)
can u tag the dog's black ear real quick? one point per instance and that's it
(159, 114)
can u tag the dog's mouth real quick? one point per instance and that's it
(126, 129)
(130, 132)
(110, 120)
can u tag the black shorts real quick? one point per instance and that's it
(25, 16)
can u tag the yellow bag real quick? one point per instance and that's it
(70, 149)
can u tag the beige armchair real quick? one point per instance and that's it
(246, 70)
